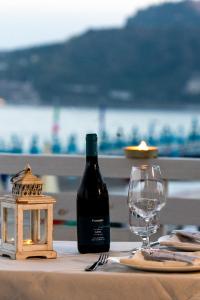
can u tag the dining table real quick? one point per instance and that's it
(65, 278)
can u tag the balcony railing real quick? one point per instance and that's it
(178, 211)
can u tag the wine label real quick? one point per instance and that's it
(94, 230)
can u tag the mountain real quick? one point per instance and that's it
(152, 61)
(182, 14)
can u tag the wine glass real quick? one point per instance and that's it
(138, 227)
(146, 194)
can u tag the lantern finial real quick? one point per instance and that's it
(28, 168)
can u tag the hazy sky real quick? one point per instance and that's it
(30, 22)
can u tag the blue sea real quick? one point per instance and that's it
(26, 121)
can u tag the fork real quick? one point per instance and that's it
(102, 260)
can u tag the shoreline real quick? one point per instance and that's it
(190, 108)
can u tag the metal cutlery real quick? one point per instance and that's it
(102, 260)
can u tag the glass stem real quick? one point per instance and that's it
(147, 234)
(145, 243)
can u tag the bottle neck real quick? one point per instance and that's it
(91, 149)
(93, 160)
(91, 153)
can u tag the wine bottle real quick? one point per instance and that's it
(93, 224)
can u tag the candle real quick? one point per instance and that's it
(141, 151)
(28, 242)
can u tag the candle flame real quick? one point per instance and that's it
(143, 146)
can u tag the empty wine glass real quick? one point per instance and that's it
(137, 226)
(146, 194)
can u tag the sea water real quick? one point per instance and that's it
(26, 121)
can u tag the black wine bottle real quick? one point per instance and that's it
(93, 224)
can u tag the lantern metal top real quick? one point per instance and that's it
(26, 184)
(26, 177)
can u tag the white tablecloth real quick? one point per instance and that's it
(64, 278)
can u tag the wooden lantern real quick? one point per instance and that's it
(27, 219)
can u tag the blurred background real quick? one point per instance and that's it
(128, 71)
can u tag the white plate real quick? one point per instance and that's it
(139, 263)
(173, 241)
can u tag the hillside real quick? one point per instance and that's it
(153, 61)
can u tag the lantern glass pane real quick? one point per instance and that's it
(27, 225)
(9, 225)
(35, 227)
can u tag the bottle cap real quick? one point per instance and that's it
(91, 137)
